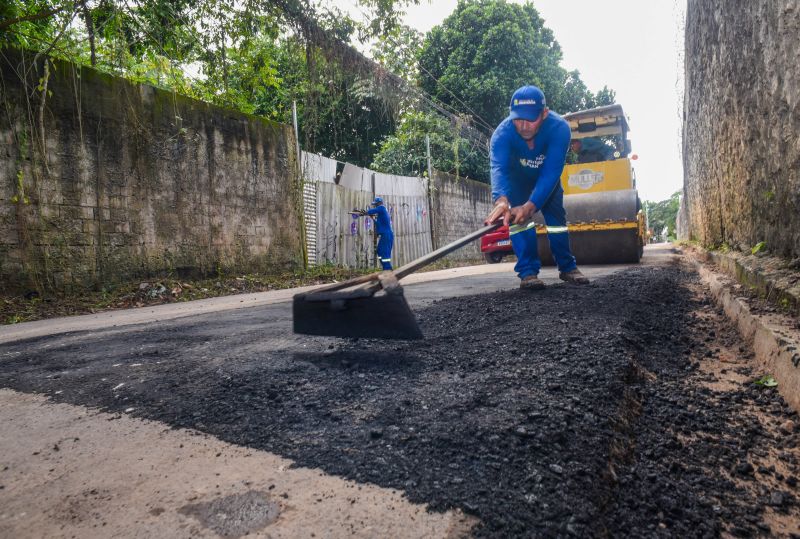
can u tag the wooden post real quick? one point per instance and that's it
(430, 191)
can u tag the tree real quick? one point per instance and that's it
(398, 51)
(486, 49)
(155, 40)
(663, 214)
(404, 152)
(576, 96)
(606, 96)
(255, 56)
(345, 112)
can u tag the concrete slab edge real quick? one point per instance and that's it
(776, 352)
(771, 277)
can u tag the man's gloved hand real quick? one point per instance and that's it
(501, 210)
(522, 214)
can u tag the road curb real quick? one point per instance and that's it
(772, 277)
(777, 349)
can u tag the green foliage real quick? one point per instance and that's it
(766, 381)
(252, 79)
(343, 116)
(386, 16)
(486, 49)
(242, 55)
(663, 214)
(258, 56)
(576, 96)
(405, 151)
(606, 96)
(759, 247)
(20, 197)
(33, 24)
(399, 51)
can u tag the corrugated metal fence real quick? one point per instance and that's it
(332, 189)
(407, 200)
(334, 236)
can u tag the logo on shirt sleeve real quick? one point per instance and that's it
(532, 163)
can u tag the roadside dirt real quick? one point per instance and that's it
(33, 305)
(597, 410)
(105, 475)
(709, 444)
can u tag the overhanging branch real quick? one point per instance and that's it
(45, 13)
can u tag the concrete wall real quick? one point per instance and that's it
(104, 180)
(742, 123)
(459, 207)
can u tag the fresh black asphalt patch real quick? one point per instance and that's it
(570, 411)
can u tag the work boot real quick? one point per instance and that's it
(574, 276)
(531, 282)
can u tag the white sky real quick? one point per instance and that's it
(633, 46)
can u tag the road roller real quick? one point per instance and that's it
(604, 215)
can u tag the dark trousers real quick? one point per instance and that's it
(525, 244)
(385, 243)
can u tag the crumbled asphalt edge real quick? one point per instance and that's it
(698, 448)
(537, 413)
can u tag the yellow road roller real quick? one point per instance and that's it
(604, 215)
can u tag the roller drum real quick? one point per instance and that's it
(600, 207)
(615, 246)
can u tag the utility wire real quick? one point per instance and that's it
(449, 111)
(478, 139)
(483, 123)
(474, 114)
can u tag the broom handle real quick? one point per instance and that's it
(348, 283)
(421, 262)
(412, 266)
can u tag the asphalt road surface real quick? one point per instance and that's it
(622, 408)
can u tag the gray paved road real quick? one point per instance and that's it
(272, 310)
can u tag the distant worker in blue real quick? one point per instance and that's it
(527, 155)
(383, 228)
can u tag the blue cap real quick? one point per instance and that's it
(527, 103)
(378, 200)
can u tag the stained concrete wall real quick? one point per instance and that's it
(458, 207)
(102, 180)
(742, 123)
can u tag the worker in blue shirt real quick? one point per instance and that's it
(527, 157)
(383, 228)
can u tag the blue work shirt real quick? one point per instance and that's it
(384, 222)
(523, 174)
